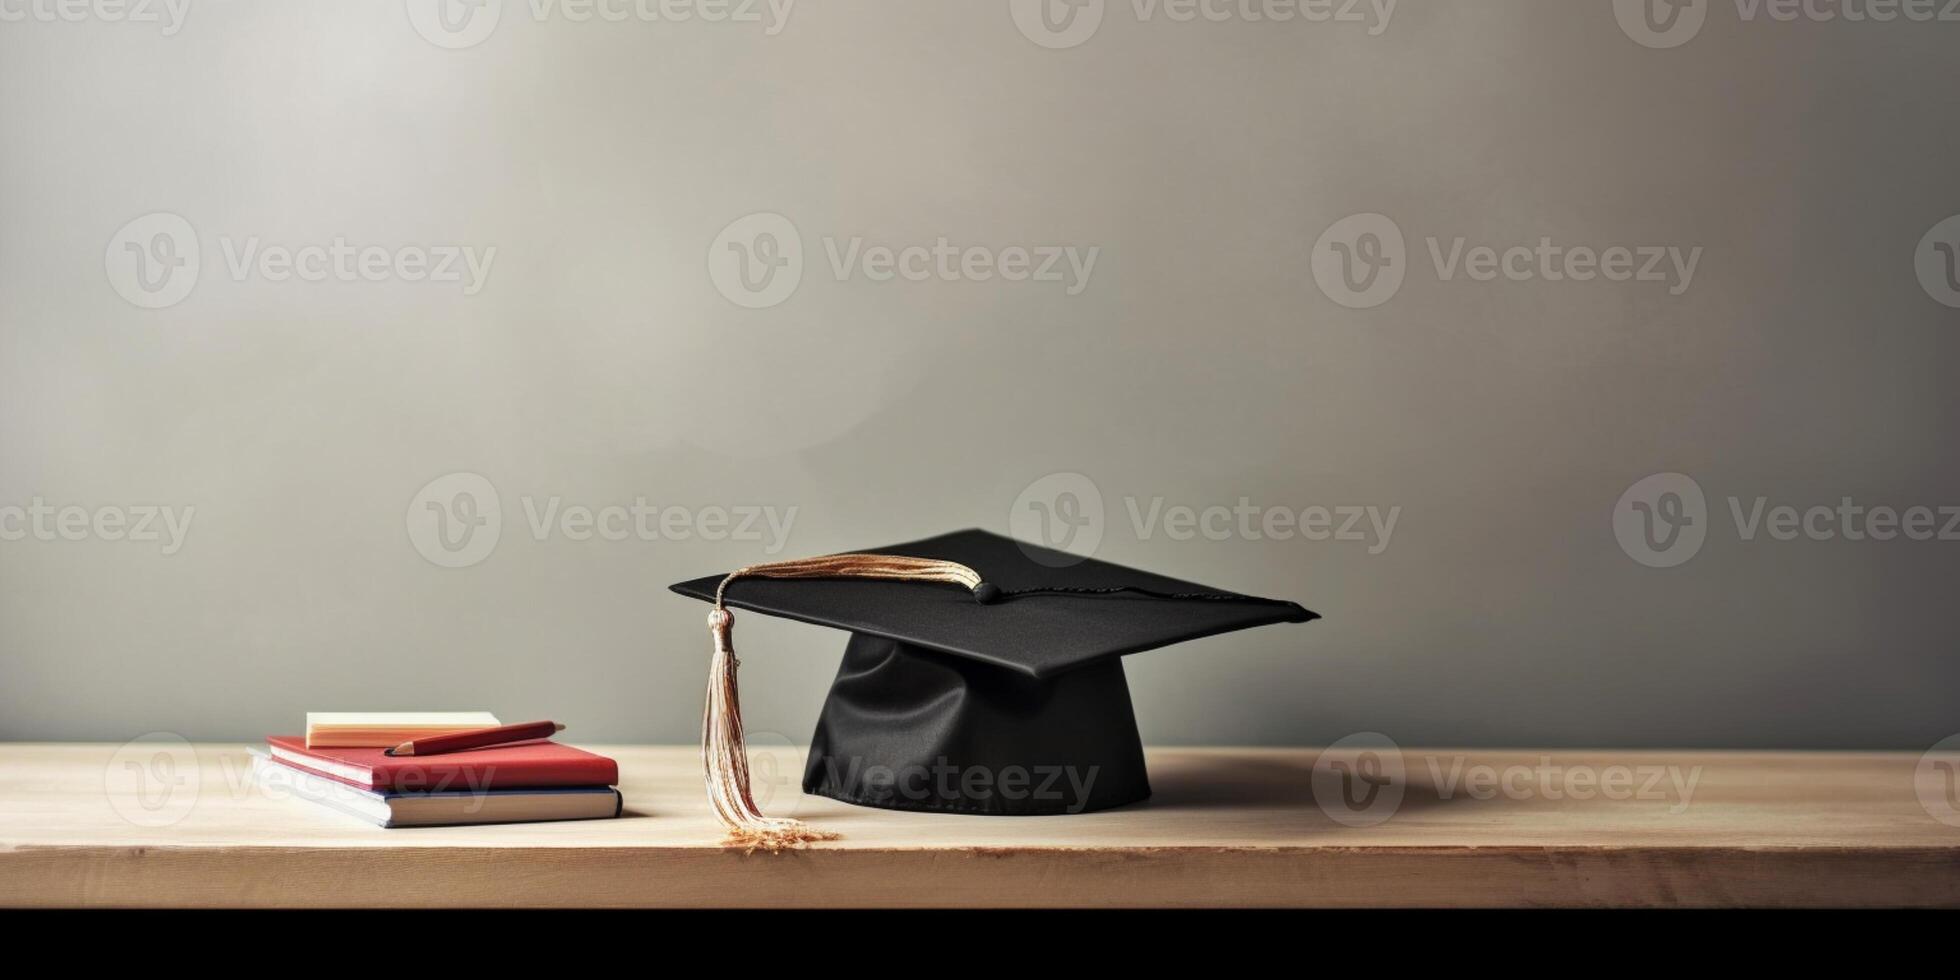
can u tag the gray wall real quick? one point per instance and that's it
(1202, 361)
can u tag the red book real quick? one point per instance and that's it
(526, 764)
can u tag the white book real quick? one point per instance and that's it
(424, 809)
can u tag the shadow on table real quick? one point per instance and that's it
(1255, 782)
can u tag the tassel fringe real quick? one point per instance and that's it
(725, 755)
(724, 751)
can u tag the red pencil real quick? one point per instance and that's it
(478, 738)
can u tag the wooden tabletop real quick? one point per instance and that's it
(166, 823)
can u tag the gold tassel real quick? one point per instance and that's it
(724, 751)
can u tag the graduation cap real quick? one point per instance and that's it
(983, 676)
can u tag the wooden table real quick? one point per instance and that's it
(170, 824)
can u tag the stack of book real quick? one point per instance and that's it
(343, 762)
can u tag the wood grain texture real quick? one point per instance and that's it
(177, 825)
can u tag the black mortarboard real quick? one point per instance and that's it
(983, 675)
